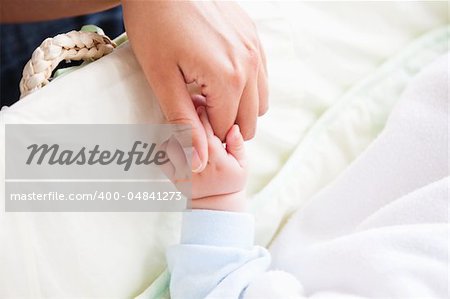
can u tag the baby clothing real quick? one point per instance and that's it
(216, 259)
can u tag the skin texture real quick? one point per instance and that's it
(210, 47)
(220, 186)
(213, 45)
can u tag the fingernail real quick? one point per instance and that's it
(196, 162)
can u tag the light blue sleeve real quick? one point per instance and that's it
(216, 257)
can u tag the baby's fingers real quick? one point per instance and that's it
(215, 146)
(235, 145)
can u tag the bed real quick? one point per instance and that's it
(336, 70)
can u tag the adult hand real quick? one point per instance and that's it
(213, 44)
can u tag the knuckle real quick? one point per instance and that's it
(252, 57)
(234, 76)
(178, 118)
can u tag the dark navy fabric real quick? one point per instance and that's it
(18, 41)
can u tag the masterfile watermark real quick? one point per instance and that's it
(53, 154)
(84, 168)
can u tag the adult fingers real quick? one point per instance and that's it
(167, 168)
(263, 88)
(172, 167)
(177, 157)
(222, 98)
(178, 108)
(205, 121)
(216, 151)
(248, 109)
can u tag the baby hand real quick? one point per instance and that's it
(220, 186)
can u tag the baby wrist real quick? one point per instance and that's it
(232, 202)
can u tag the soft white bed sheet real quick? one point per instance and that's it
(316, 52)
(381, 229)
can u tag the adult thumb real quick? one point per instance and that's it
(178, 108)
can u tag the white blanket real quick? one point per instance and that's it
(329, 99)
(381, 229)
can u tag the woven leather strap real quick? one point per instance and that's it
(75, 45)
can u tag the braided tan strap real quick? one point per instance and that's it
(75, 45)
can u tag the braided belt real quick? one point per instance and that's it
(74, 45)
